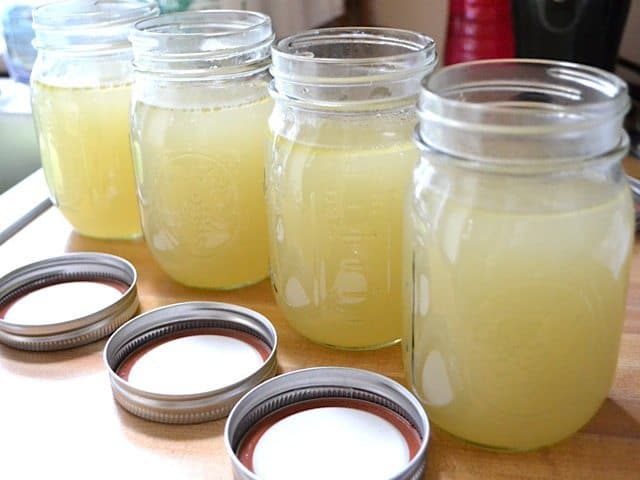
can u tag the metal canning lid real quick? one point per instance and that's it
(66, 301)
(190, 362)
(328, 422)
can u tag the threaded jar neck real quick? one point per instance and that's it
(511, 112)
(89, 27)
(203, 44)
(351, 67)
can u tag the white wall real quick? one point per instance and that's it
(424, 16)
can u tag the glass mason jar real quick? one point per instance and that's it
(81, 92)
(519, 233)
(199, 129)
(341, 158)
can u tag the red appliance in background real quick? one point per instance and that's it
(479, 29)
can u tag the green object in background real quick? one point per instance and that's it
(168, 6)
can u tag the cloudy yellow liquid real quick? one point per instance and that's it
(86, 156)
(335, 200)
(518, 315)
(200, 173)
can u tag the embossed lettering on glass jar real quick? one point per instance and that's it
(520, 229)
(341, 156)
(81, 91)
(199, 128)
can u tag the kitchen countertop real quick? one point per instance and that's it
(58, 418)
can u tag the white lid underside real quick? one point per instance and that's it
(194, 364)
(331, 442)
(62, 302)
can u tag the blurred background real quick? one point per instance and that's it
(603, 33)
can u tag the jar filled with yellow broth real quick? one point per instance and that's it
(519, 234)
(81, 92)
(340, 159)
(199, 130)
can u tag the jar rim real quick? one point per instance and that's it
(77, 25)
(203, 43)
(613, 88)
(95, 14)
(174, 24)
(535, 108)
(414, 43)
(352, 66)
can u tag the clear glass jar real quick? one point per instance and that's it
(341, 157)
(81, 92)
(519, 234)
(199, 129)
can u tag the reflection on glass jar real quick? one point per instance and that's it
(81, 91)
(341, 156)
(199, 130)
(519, 236)
(17, 33)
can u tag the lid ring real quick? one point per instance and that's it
(164, 322)
(302, 386)
(69, 268)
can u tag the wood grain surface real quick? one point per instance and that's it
(58, 418)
